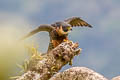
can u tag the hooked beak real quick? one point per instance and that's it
(69, 28)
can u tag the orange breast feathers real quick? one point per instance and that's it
(57, 42)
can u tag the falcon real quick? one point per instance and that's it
(58, 31)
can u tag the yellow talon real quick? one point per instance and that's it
(65, 40)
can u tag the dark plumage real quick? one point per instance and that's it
(58, 31)
(77, 21)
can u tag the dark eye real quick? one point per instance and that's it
(65, 30)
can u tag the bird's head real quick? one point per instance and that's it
(62, 28)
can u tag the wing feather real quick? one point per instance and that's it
(43, 27)
(77, 21)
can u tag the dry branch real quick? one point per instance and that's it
(51, 63)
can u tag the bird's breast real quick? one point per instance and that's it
(54, 35)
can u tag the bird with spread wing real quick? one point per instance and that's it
(58, 31)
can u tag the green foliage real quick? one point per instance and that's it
(34, 54)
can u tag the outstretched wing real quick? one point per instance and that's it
(43, 27)
(77, 21)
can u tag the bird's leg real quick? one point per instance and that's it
(55, 43)
(50, 47)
